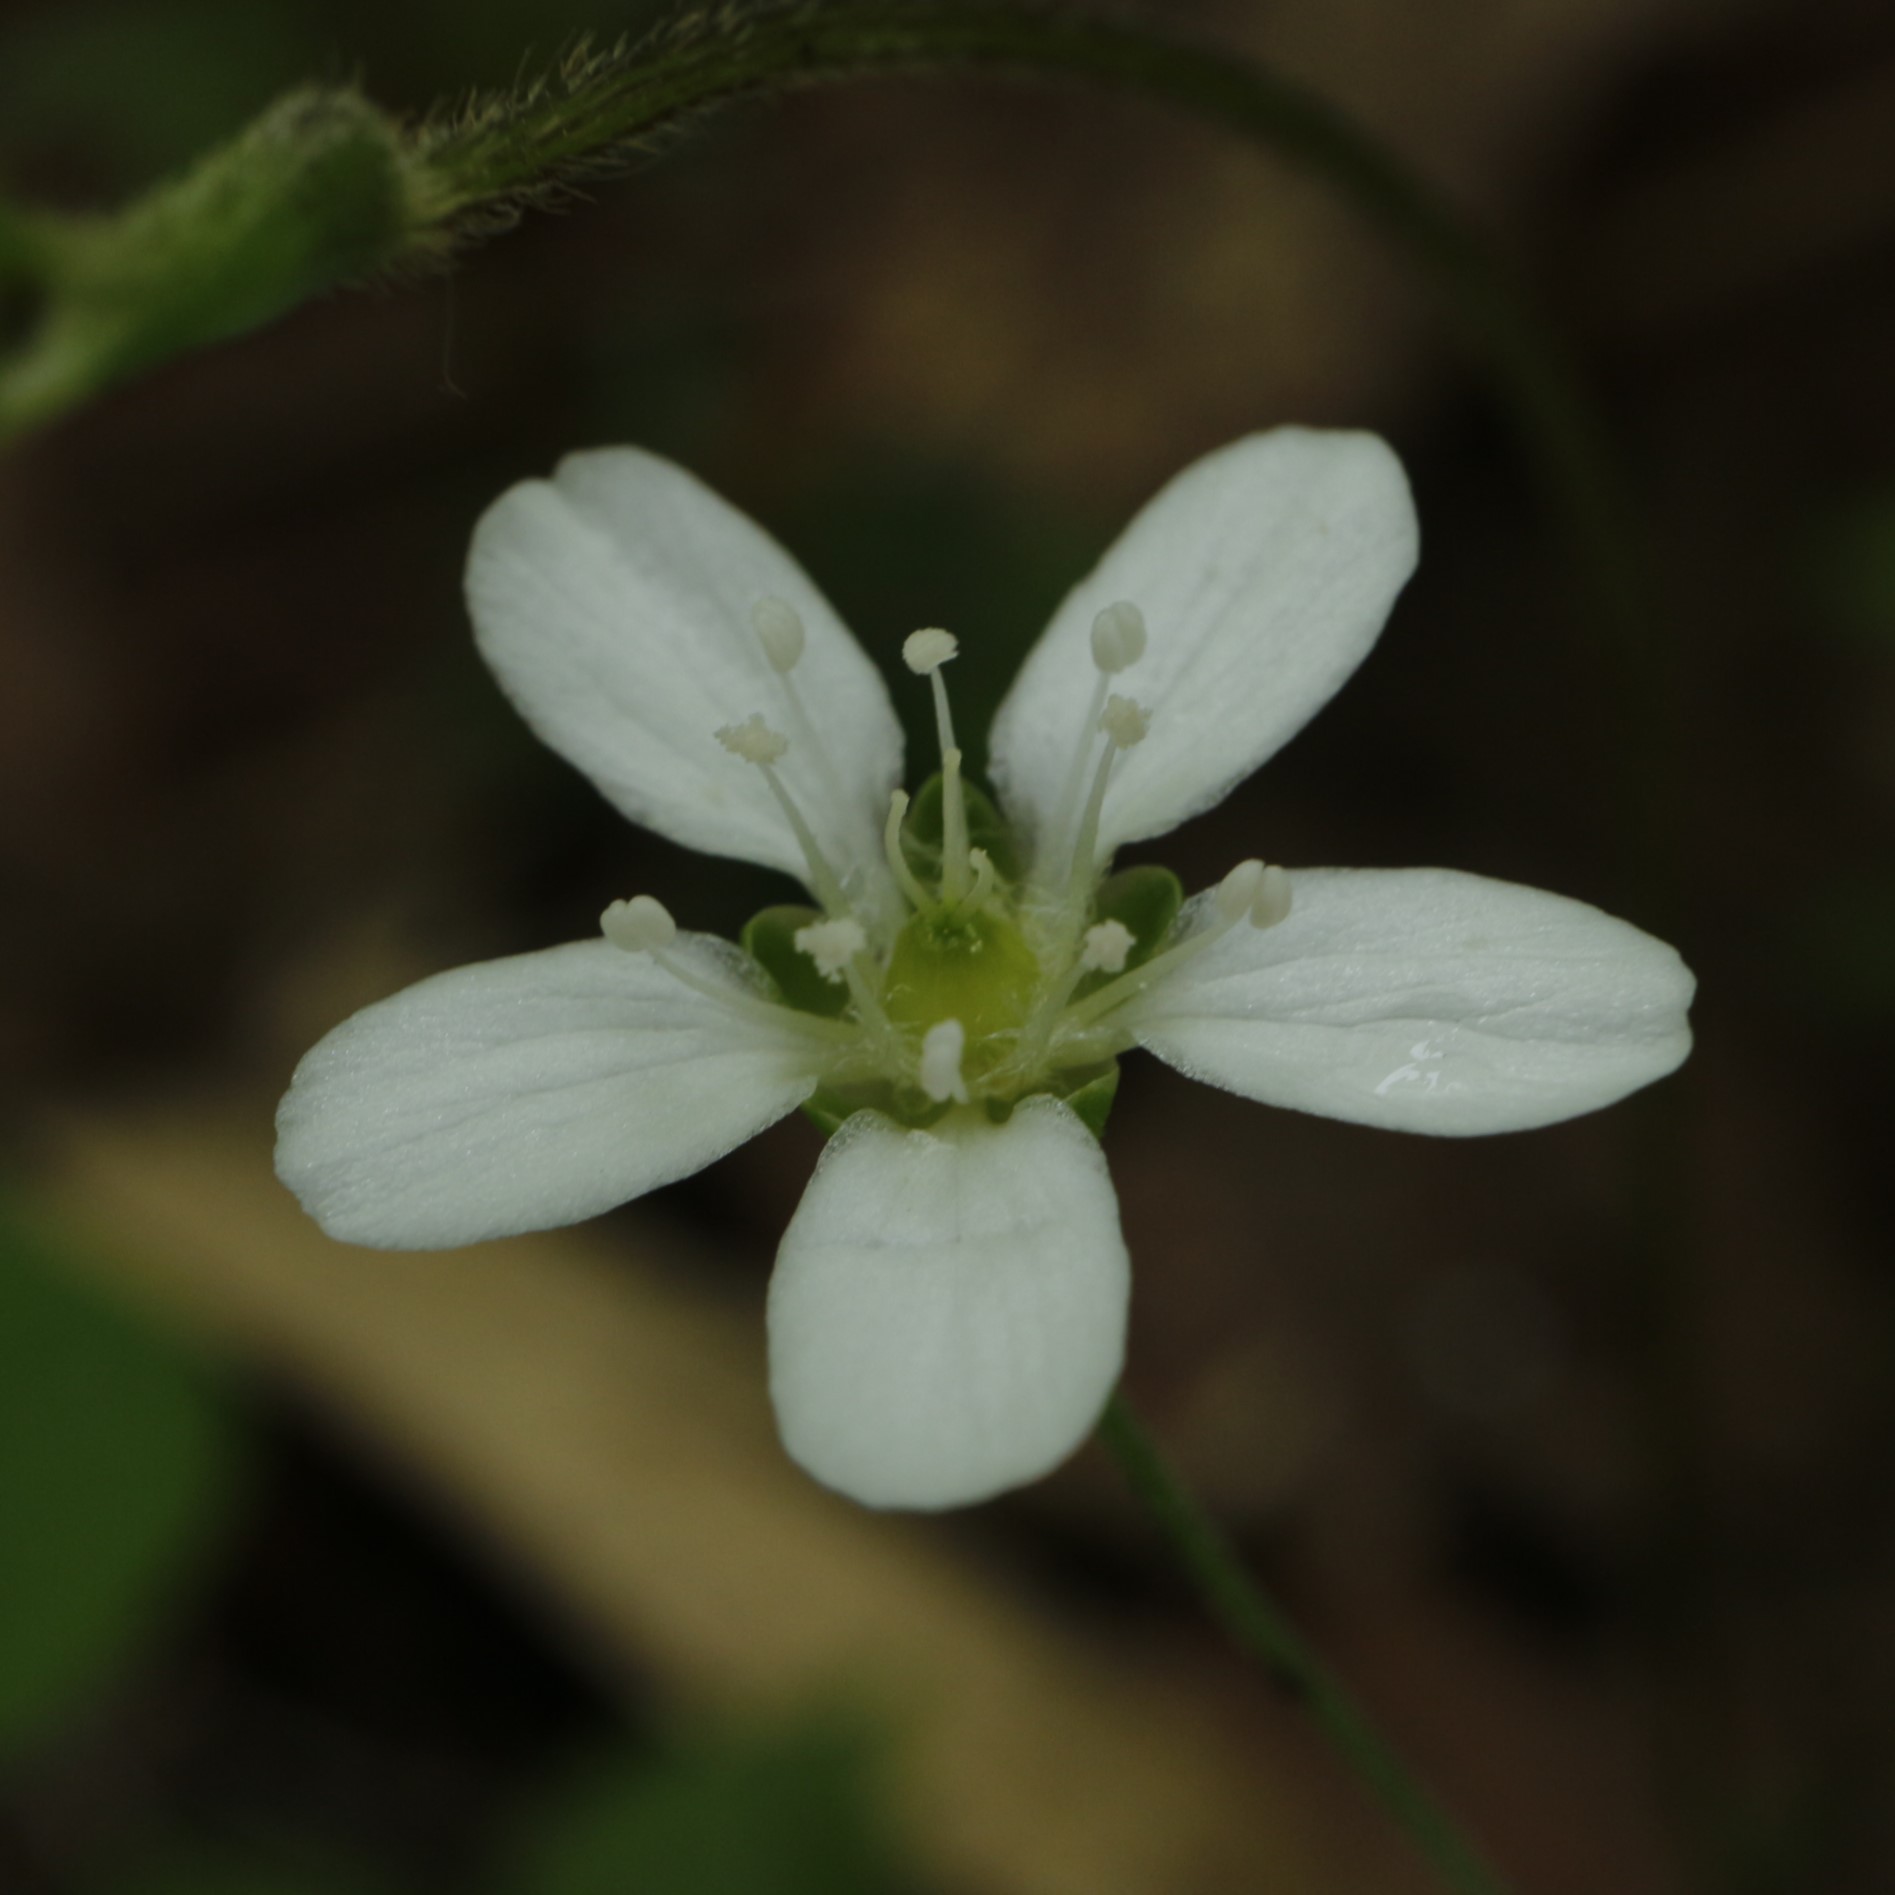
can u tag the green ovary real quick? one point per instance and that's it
(976, 969)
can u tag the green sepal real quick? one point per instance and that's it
(1092, 1097)
(1143, 900)
(1089, 1090)
(827, 1111)
(830, 1108)
(986, 829)
(769, 938)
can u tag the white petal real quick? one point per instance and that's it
(614, 604)
(1426, 1001)
(947, 1316)
(520, 1094)
(1264, 572)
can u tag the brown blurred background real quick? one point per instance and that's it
(1571, 1448)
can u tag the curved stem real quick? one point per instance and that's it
(1253, 1620)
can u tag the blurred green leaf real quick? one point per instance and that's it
(785, 1812)
(116, 1466)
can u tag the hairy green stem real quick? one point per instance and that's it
(1253, 1620)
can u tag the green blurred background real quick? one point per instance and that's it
(325, 1573)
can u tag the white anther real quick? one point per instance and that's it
(941, 1048)
(753, 740)
(1238, 890)
(1105, 948)
(832, 944)
(927, 651)
(780, 627)
(638, 925)
(1271, 903)
(1118, 637)
(1124, 720)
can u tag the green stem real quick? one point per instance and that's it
(1254, 1621)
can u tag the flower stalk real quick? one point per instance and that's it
(1253, 1620)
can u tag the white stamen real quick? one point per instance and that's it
(1237, 891)
(753, 740)
(1271, 903)
(1125, 721)
(1106, 946)
(926, 651)
(780, 630)
(780, 627)
(941, 1049)
(1247, 891)
(757, 743)
(832, 945)
(644, 926)
(1103, 949)
(638, 925)
(1118, 637)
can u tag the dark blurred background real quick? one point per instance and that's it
(326, 1573)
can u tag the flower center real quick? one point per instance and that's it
(977, 969)
(999, 980)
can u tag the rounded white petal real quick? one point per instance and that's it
(616, 603)
(947, 1316)
(524, 1093)
(1264, 573)
(1426, 1001)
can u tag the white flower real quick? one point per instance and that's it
(947, 1315)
